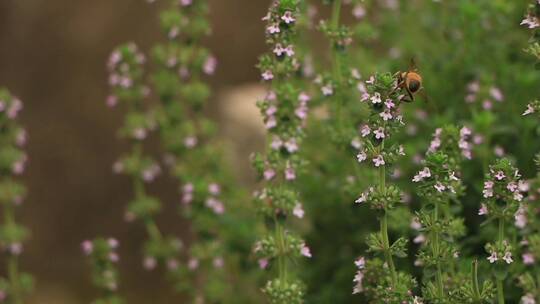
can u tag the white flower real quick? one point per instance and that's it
(493, 257)
(528, 299)
(440, 187)
(298, 211)
(419, 239)
(508, 257)
(379, 133)
(530, 110)
(376, 98)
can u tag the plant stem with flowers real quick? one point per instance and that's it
(284, 110)
(103, 257)
(384, 100)
(501, 202)
(193, 153)
(439, 183)
(13, 159)
(126, 80)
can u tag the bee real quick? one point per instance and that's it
(410, 81)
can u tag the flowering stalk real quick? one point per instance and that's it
(532, 22)
(284, 110)
(439, 183)
(17, 285)
(192, 152)
(126, 80)
(375, 146)
(103, 257)
(338, 86)
(501, 201)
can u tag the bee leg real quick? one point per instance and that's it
(410, 95)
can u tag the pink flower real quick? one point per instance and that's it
(87, 247)
(288, 17)
(112, 101)
(269, 174)
(193, 264)
(291, 145)
(483, 210)
(378, 161)
(290, 174)
(190, 142)
(365, 130)
(424, 173)
(389, 104)
(267, 75)
(277, 143)
(210, 65)
(419, 239)
(273, 29)
(496, 93)
(386, 115)
(263, 263)
(358, 11)
(305, 251)
(298, 211)
(214, 189)
(327, 90)
(500, 175)
(528, 299)
(172, 264)
(528, 258)
(186, 2)
(376, 98)
(415, 224)
(440, 187)
(362, 156)
(113, 243)
(149, 263)
(218, 262)
(271, 122)
(360, 263)
(379, 133)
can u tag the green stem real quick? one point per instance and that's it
(13, 271)
(436, 252)
(13, 267)
(500, 292)
(282, 258)
(336, 65)
(384, 224)
(474, 279)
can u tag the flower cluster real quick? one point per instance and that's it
(502, 194)
(439, 183)
(12, 193)
(284, 111)
(193, 155)
(103, 259)
(383, 98)
(483, 95)
(126, 63)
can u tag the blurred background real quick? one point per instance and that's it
(53, 54)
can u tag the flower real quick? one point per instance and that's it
(379, 133)
(365, 130)
(508, 257)
(305, 251)
(500, 175)
(378, 161)
(288, 17)
(298, 211)
(528, 258)
(483, 210)
(528, 299)
(267, 75)
(493, 257)
(424, 173)
(361, 156)
(530, 110)
(440, 187)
